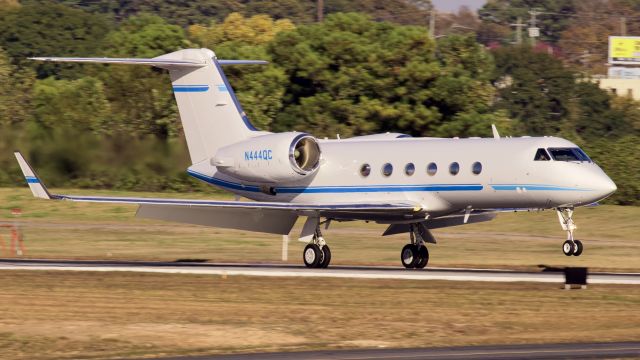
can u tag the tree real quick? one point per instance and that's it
(534, 88)
(15, 91)
(50, 30)
(184, 13)
(585, 41)
(344, 79)
(79, 104)
(177, 12)
(8, 5)
(256, 30)
(259, 88)
(141, 97)
(554, 18)
(620, 159)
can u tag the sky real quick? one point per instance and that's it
(454, 5)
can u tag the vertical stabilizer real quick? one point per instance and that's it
(209, 110)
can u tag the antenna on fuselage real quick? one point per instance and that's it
(496, 135)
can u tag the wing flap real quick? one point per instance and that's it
(264, 220)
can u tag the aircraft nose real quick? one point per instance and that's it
(605, 187)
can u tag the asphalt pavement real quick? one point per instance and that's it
(552, 275)
(618, 350)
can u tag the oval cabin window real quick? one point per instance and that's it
(476, 168)
(365, 170)
(432, 169)
(387, 169)
(454, 168)
(409, 169)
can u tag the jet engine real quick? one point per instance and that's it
(270, 158)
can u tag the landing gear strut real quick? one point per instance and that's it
(415, 254)
(317, 254)
(571, 247)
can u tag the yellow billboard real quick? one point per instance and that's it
(624, 50)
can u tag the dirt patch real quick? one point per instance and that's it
(171, 335)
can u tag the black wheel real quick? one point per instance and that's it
(409, 256)
(568, 247)
(577, 249)
(326, 258)
(423, 257)
(312, 255)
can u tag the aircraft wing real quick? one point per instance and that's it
(270, 217)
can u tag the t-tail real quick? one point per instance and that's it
(210, 113)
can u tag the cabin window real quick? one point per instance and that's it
(541, 155)
(454, 168)
(409, 169)
(387, 169)
(476, 168)
(365, 170)
(432, 169)
(568, 154)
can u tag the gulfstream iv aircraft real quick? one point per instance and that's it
(411, 184)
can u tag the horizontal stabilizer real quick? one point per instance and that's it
(243, 62)
(153, 62)
(157, 62)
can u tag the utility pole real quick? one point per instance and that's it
(432, 23)
(320, 10)
(534, 31)
(623, 26)
(519, 25)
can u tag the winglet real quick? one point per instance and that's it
(37, 188)
(495, 131)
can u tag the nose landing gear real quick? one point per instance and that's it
(571, 247)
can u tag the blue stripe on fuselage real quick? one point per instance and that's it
(533, 187)
(340, 189)
(32, 180)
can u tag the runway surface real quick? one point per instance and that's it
(512, 352)
(284, 270)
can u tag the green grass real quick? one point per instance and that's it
(60, 229)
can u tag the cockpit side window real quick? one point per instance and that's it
(568, 154)
(541, 155)
(584, 156)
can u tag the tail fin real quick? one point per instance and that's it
(37, 187)
(211, 115)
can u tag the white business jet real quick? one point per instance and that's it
(412, 184)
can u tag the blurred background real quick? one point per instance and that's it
(441, 68)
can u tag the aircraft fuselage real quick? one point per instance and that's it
(509, 176)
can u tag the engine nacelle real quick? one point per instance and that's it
(270, 158)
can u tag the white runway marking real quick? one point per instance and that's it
(335, 272)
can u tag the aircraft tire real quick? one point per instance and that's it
(409, 256)
(312, 255)
(326, 258)
(423, 257)
(577, 251)
(568, 248)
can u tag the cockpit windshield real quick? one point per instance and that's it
(568, 154)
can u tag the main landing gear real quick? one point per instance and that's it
(415, 254)
(571, 247)
(317, 254)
